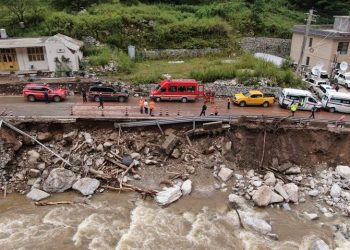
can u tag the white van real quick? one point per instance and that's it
(336, 102)
(306, 100)
(343, 79)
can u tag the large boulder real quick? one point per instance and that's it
(293, 192)
(270, 179)
(86, 186)
(186, 187)
(276, 198)
(33, 156)
(170, 143)
(319, 244)
(37, 194)
(262, 196)
(256, 224)
(335, 191)
(59, 180)
(44, 136)
(280, 190)
(225, 173)
(168, 195)
(343, 171)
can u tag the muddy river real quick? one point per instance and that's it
(123, 221)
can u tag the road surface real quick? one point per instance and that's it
(18, 106)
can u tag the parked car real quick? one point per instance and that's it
(306, 100)
(336, 102)
(253, 98)
(315, 82)
(108, 93)
(183, 90)
(35, 92)
(322, 89)
(343, 79)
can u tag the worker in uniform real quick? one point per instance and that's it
(152, 106)
(228, 102)
(293, 107)
(204, 108)
(141, 104)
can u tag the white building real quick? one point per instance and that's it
(58, 53)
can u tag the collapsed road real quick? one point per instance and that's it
(299, 174)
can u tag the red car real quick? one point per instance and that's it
(35, 92)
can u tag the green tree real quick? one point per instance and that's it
(257, 16)
(75, 5)
(19, 8)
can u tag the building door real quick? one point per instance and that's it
(8, 60)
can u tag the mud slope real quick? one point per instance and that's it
(303, 147)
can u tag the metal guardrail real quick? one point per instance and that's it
(201, 119)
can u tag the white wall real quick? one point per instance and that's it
(25, 64)
(55, 48)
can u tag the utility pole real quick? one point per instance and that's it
(307, 30)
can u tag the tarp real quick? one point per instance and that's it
(278, 61)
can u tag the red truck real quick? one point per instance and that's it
(35, 92)
(183, 90)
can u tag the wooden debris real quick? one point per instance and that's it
(50, 203)
(127, 187)
(124, 173)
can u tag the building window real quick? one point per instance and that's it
(310, 42)
(8, 55)
(307, 61)
(35, 54)
(343, 48)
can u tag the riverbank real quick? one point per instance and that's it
(233, 170)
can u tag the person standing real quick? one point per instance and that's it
(216, 112)
(204, 108)
(141, 104)
(337, 87)
(293, 107)
(228, 102)
(46, 96)
(152, 106)
(100, 98)
(145, 106)
(83, 92)
(313, 110)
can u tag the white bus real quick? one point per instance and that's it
(336, 102)
(305, 99)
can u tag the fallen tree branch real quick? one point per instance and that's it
(7, 124)
(127, 187)
(50, 203)
(124, 173)
(263, 152)
(118, 164)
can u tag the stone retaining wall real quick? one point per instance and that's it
(176, 53)
(275, 46)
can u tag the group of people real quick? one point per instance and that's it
(215, 107)
(147, 107)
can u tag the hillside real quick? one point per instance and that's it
(150, 25)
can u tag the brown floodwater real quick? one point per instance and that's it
(123, 221)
